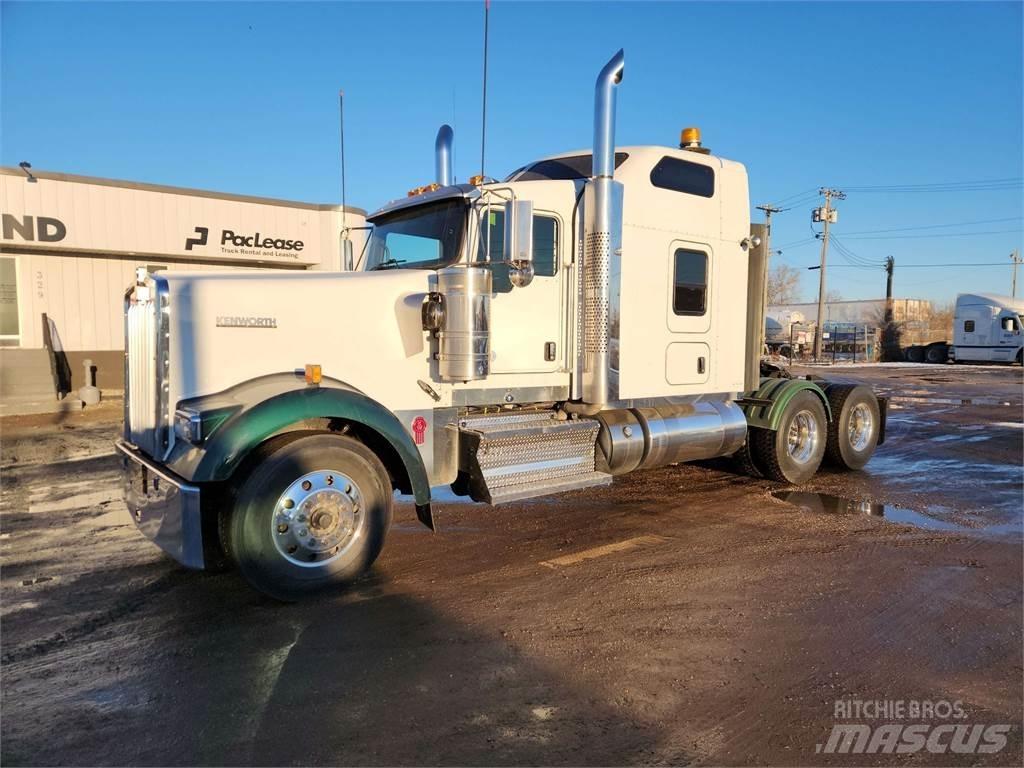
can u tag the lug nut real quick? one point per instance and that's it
(303, 532)
(288, 504)
(292, 549)
(306, 485)
(282, 528)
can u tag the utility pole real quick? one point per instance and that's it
(890, 342)
(1015, 257)
(827, 215)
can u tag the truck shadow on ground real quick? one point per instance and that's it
(369, 676)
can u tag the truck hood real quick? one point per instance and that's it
(362, 328)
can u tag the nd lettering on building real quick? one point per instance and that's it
(71, 245)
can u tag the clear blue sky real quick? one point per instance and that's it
(242, 97)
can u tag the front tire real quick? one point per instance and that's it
(312, 513)
(793, 452)
(856, 420)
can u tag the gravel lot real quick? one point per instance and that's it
(684, 615)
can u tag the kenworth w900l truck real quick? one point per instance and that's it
(593, 314)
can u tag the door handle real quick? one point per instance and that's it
(700, 365)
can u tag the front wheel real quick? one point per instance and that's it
(313, 513)
(793, 452)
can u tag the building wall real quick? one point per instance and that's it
(866, 312)
(76, 243)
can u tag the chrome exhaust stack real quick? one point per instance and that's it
(602, 248)
(443, 174)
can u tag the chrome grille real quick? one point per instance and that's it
(146, 418)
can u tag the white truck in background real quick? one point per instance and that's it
(591, 315)
(986, 329)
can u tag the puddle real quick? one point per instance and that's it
(960, 438)
(928, 400)
(934, 518)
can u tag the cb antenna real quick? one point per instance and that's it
(483, 118)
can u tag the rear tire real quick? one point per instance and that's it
(915, 354)
(743, 459)
(793, 452)
(856, 420)
(312, 513)
(937, 353)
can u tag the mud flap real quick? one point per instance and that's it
(426, 517)
(883, 412)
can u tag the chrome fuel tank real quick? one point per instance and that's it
(642, 438)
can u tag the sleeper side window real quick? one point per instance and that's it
(545, 247)
(690, 282)
(968, 326)
(682, 176)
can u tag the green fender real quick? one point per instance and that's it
(237, 435)
(764, 408)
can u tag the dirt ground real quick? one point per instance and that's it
(684, 615)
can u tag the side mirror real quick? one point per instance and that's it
(519, 241)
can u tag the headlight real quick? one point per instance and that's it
(188, 426)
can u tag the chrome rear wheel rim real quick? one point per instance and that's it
(802, 437)
(860, 427)
(318, 518)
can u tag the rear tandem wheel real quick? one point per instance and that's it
(793, 452)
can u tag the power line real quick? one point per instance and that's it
(854, 258)
(941, 234)
(933, 226)
(799, 242)
(934, 266)
(947, 186)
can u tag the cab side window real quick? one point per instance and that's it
(545, 247)
(690, 282)
(1009, 324)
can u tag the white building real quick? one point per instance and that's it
(71, 244)
(870, 312)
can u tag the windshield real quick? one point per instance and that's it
(426, 237)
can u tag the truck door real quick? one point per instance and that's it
(1008, 335)
(688, 356)
(527, 324)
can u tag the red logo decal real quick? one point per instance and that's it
(419, 429)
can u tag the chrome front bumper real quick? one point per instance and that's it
(164, 507)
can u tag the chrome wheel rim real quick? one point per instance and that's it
(318, 518)
(860, 427)
(802, 437)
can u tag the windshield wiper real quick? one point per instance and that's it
(389, 264)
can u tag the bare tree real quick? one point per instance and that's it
(783, 285)
(833, 295)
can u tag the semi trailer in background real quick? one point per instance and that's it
(594, 313)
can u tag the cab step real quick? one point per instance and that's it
(508, 457)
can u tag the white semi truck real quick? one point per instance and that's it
(593, 314)
(987, 328)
